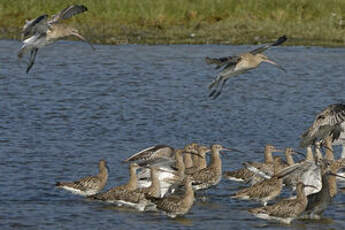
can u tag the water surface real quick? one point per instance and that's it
(78, 106)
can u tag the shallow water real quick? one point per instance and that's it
(77, 106)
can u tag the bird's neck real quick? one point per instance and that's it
(276, 167)
(180, 164)
(268, 156)
(216, 162)
(289, 158)
(318, 154)
(132, 183)
(329, 149)
(202, 162)
(155, 185)
(215, 159)
(188, 162)
(309, 156)
(103, 172)
(332, 180)
(300, 193)
(189, 194)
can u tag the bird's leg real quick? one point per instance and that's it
(221, 88)
(32, 59)
(214, 85)
(215, 93)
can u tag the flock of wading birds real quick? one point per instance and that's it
(169, 177)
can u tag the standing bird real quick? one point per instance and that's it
(244, 175)
(43, 32)
(89, 185)
(326, 123)
(266, 190)
(177, 205)
(199, 161)
(238, 64)
(212, 174)
(285, 210)
(318, 202)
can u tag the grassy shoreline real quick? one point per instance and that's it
(305, 22)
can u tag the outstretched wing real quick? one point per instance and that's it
(326, 122)
(228, 61)
(68, 13)
(261, 49)
(37, 25)
(152, 153)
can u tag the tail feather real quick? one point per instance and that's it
(60, 184)
(254, 210)
(210, 61)
(218, 61)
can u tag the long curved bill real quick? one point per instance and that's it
(300, 153)
(323, 145)
(231, 150)
(197, 154)
(84, 39)
(278, 150)
(275, 64)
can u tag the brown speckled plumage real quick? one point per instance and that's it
(175, 205)
(88, 185)
(285, 210)
(265, 190)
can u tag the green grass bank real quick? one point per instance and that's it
(305, 22)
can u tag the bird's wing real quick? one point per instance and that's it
(87, 182)
(68, 12)
(256, 171)
(284, 208)
(153, 152)
(325, 123)
(261, 49)
(37, 25)
(228, 61)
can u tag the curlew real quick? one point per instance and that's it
(152, 154)
(89, 185)
(199, 160)
(244, 175)
(238, 64)
(154, 189)
(265, 190)
(125, 195)
(285, 210)
(326, 123)
(212, 174)
(43, 32)
(187, 157)
(318, 202)
(305, 171)
(166, 173)
(177, 205)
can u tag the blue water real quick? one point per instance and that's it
(77, 106)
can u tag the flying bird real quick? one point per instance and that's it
(41, 31)
(238, 64)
